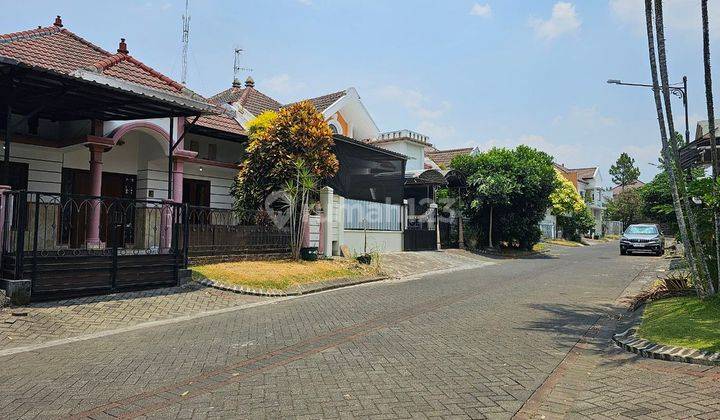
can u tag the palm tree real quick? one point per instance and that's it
(711, 122)
(704, 274)
(669, 167)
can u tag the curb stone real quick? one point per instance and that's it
(293, 291)
(630, 341)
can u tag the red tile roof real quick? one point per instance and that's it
(323, 102)
(222, 122)
(249, 98)
(59, 49)
(584, 173)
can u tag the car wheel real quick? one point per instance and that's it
(623, 252)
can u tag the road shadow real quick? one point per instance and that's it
(569, 322)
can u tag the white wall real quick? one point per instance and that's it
(414, 151)
(380, 241)
(44, 166)
(221, 179)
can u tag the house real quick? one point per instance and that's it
(697, 152)
(620, 188)
(588, 182)
(443, 158)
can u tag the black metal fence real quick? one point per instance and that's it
(229, 233)
(79, 244)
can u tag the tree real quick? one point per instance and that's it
(277, 142)
(624, 172)
(626, 207)
(297, 198)
(711, 126)
(527, 178)
(669, 161)
(570, 210)
(491, 190)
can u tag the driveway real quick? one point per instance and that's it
(475, 343)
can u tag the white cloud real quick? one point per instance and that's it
(578, 117)
(564, 20)
(282, 84)
(439, 134)
(563, 153)
(679, 15)
(482, 10)
(414, 101)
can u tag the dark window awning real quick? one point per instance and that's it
(696, 153)
(425, 177)
(88, 95)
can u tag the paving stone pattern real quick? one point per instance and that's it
(474, 343)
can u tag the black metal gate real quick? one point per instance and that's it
(49, 239)
(420, 232)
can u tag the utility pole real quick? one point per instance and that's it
(185, 41)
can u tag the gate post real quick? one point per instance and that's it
(3, 213)
(326, 233)
(436, 221)
(166, 222)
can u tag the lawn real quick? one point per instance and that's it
(281, 275)
(683, 321)
(563, 242)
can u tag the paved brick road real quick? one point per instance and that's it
(475, 343)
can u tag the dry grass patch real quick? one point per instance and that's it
(281, 275)
(563, 242)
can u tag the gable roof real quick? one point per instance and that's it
(58, 49)
(619, 188)
(248, 98)
(584, 173)
(323, 102)
(444, 157)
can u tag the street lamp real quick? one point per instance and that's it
(679, 91)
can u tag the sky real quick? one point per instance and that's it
(467, 73)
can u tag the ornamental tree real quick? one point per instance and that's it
(277, 142)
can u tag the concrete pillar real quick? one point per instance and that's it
(461, 231)
(340, 215)
(436, 216)
(96, 165)
(326, 202)
(178, 171)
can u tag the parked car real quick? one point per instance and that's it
(642, 238)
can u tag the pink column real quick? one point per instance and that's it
(166, 220)
(178, 180)
(93, 229)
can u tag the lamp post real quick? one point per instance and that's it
(679, 91)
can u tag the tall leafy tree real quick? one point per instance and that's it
(624, 172)
(572, 214)
(492, 190)
(713, 135)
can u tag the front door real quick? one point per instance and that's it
(117, 217)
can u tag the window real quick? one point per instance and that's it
(212, 151)
(193, 146)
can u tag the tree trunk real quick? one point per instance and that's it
(667, 158)
(711, 122)
(703, 273)
(490, 243)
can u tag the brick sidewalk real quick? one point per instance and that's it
(599, 380)
(54, 320)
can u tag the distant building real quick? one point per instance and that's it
(617, 190)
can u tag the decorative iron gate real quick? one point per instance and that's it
(72, 245)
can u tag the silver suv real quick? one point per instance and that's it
(642, 238)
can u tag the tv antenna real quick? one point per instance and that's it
(185, 41)
(237, 69)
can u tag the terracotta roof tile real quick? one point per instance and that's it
(323, 102)
(249, 98)
(58, 49)
(222, 122)
(444, 157)
(584, 173)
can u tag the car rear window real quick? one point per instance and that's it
(642, 230)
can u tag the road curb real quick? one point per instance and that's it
(293, 291)
(630, 341)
